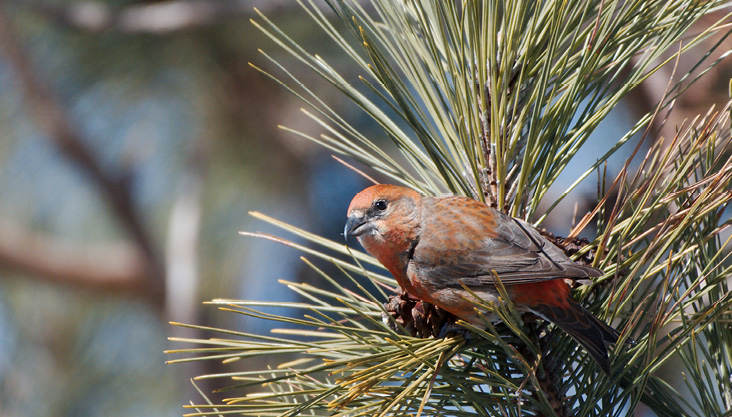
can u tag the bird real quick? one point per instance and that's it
(436, 247)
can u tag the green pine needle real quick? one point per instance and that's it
(492, 100)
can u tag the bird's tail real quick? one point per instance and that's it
(585, 328)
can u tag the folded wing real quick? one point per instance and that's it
(469, 240)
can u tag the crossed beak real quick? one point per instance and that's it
(355, 226)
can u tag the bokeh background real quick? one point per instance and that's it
(134, 139)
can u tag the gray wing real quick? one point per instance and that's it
(484, 240)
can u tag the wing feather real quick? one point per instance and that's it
(470, 240)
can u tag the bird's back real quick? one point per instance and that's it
(464, 242)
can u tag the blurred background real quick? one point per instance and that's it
(134, 139)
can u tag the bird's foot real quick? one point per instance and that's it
(453, 329)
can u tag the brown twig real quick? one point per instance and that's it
(117, 268)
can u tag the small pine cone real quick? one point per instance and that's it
(419, 318)
(571, 246)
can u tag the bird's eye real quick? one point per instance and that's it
(380, 205)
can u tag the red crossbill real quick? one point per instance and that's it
(437, 246)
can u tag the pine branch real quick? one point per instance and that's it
(493, 100)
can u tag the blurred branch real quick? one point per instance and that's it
(112, 267)
(161, 17)
(157, 18)
(51, 116)
(181, 257)
(703, 93)
(182, 242)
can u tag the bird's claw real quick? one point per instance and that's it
(452, 329)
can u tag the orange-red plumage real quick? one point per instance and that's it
(436, 246)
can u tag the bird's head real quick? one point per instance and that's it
(384, 216)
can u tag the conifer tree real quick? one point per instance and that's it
(492, 100)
